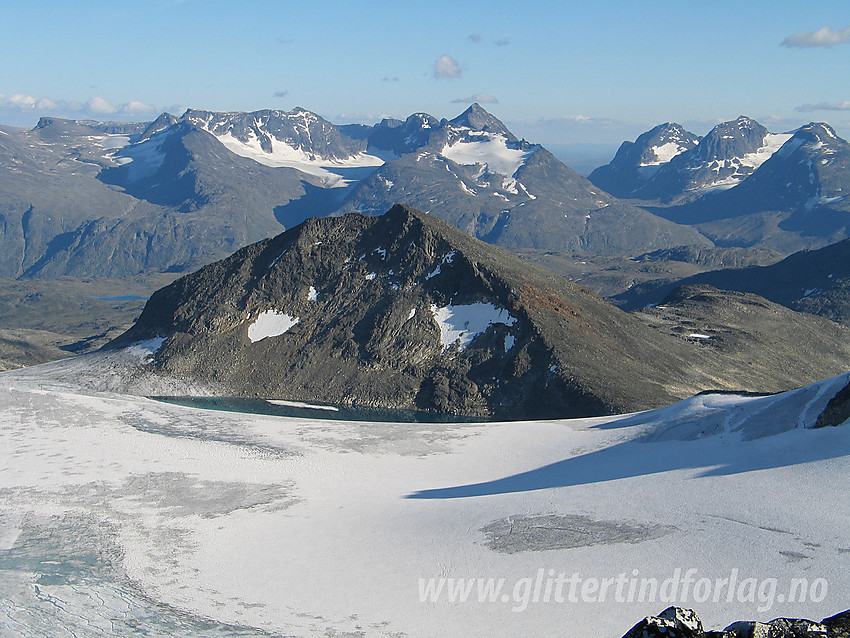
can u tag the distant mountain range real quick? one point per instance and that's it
(669, 163)
(91, 199)
(740, 185)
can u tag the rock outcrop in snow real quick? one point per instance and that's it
(675, 622)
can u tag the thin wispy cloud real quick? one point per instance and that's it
(284, 40)
(481, 98)
(823, 106)
(283, 93)
(823, 37)
(502, 42)
(446, 67)
(474, 38)
(389, 79)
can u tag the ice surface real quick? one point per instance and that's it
(461, 324)
(117, 512)
(270, 323)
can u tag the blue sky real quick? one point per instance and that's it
(555, 72)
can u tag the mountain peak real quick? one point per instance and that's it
(478, 119)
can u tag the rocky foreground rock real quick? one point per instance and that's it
(675, 622)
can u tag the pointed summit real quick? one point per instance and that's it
(478, 119)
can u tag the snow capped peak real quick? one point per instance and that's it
(664, 142)
(297, 139)
(478, 119)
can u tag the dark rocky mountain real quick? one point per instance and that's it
(675, 622)
(812, 281)
(405, 311)
(636, 163)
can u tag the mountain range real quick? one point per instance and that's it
(91, 199)
(740, 185)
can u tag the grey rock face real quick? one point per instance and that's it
(113, 199)
(722, 159)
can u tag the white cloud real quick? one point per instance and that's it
(823, 106)
(481, 98)
(99, 105)
(446, 67)
(24, 110)
(823, 37)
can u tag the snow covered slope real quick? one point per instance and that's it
(118, 512)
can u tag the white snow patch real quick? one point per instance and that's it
(271, 323)
(284, 155)
(665, 153)
(492, 152)
(510, 340)
(466, 188)
(312, 294)
(299, 404)
(412, 314)
(371, 276)
(276, 259)
(147, 348)
(382, 252)
(461, 324)
(447, 259)
(817, 201)
(194, 508)
(143, 159)
(698, 335)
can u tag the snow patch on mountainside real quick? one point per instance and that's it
(461, 324)
(283, 155)
(271, 323)
(665, 153)
(143, 159)
(744, 166)
(492, 152)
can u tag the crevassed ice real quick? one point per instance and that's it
(271, 323)
(463, 323)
